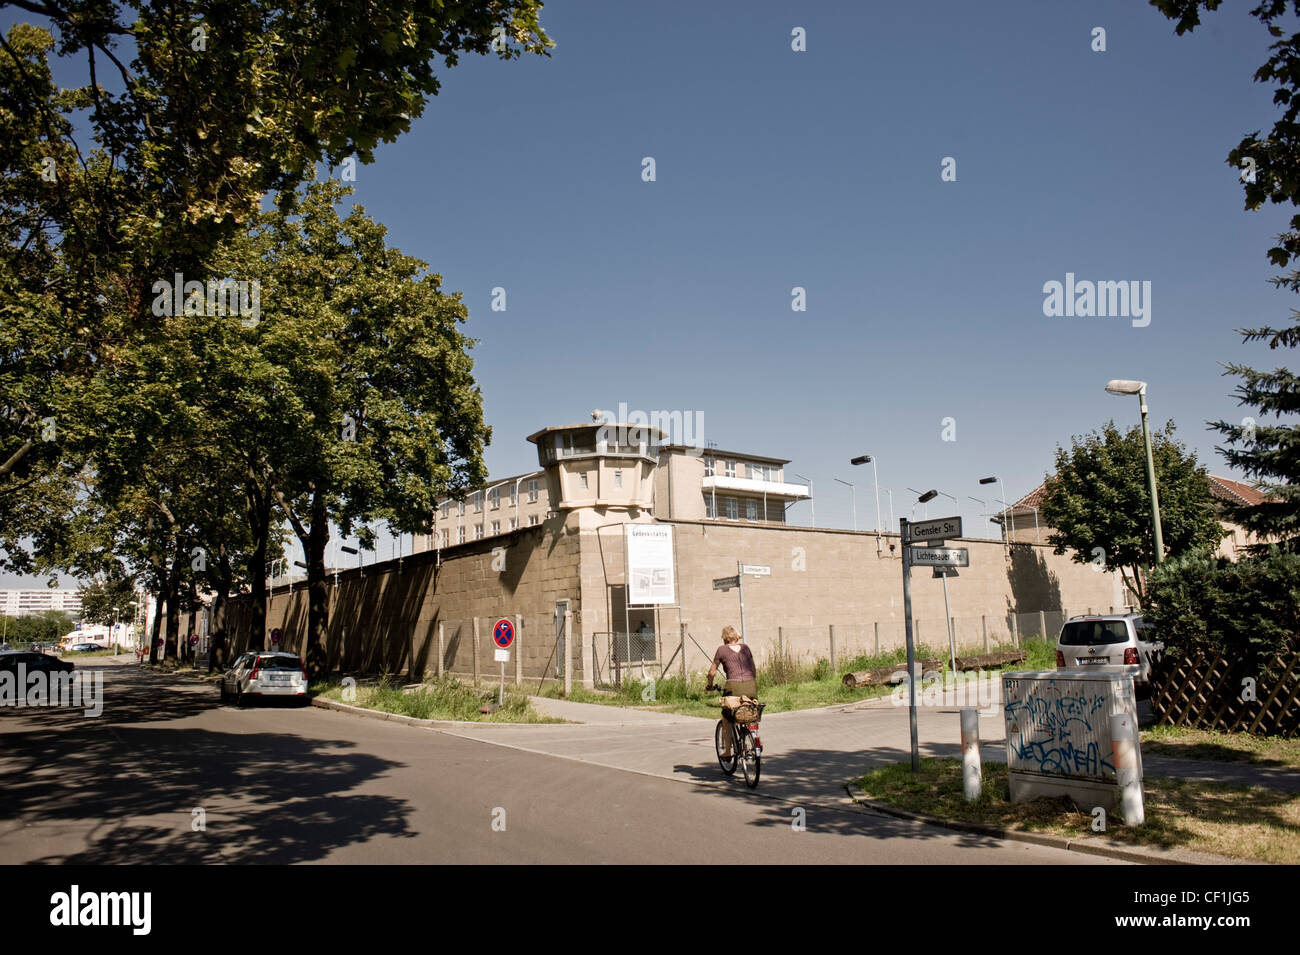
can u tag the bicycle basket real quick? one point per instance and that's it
(748, 712)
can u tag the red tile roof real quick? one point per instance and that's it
(1237, 493)
(1222, 488)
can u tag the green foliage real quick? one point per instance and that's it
(102, 599)
(44, 627)
(1247, 609)
(1099, 503)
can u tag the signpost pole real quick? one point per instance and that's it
(740, 585)
(501, 691)
(947, 613)
(911, 650)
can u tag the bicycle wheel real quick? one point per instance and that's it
(728, 764)
(749, 758)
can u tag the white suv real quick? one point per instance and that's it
(1108, 640)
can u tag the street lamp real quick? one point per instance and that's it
(922, 499)
(1122, 386)
(875, 481)
(853, 497)
(1006, 513)
(812, 504)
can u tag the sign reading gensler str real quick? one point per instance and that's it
(940, 556)
(939, 529)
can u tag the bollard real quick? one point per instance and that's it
(971, 776)
(1123, 735)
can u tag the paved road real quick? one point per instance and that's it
(307, 785)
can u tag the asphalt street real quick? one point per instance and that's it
(169, 775)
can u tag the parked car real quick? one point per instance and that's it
(265, 674)
(1108, 640)
(86, 648)
(34, 662)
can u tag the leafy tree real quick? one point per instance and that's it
(45, 627)
(101, 599)
(1100, 506)
(1268, 452)
(361, 395)
(209, 109)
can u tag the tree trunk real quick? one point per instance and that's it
(157, 623)
(173, 612)
(259, 515)
(316, 655)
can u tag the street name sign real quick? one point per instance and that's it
(758, 570)
(939, 529)
(940, 556)
(726, 583)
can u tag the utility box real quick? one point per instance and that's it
(1059, 734)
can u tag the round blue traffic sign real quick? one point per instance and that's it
(503, 633)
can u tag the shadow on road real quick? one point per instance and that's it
(268, 797)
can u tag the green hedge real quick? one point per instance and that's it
(1247, 609)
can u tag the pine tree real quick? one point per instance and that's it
(1269, 454)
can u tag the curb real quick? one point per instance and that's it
(1086, 846)
(410, 720)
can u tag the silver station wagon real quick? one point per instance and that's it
(262, 675)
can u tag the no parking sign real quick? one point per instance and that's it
(503, 634)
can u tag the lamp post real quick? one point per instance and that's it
(1122, 386)
(1006, 512)
(812, 504)
(875, 482)
(853, 497)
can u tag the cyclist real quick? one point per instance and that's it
(742, 675)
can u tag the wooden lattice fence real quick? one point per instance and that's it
(1206, 692)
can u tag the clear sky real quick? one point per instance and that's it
(822, 169)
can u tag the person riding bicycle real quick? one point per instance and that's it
(742, 675)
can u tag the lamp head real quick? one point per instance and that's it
(927, 496)
(1123, 386)
(988, 480)
(863, 459)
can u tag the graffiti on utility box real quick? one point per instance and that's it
(1061, 726)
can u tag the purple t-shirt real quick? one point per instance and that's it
(738, 665)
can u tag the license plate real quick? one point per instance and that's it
(279, 677)
(1094, 659)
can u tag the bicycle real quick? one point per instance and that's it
(746, 746)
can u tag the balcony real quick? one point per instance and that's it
(794, 492)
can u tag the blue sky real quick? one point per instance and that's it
(821, 169)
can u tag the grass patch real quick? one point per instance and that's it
(1186, 743)
(688, 697)
(1244, 822)
(444, 698)
(784, 683)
